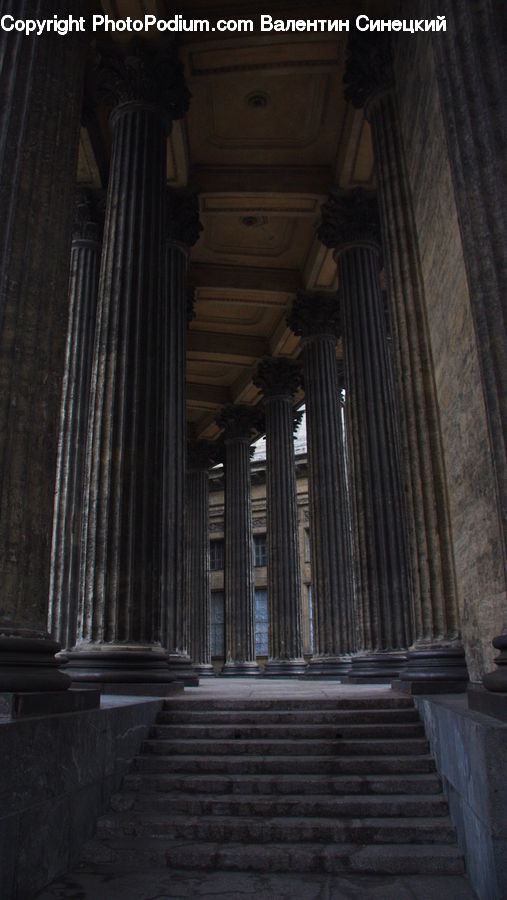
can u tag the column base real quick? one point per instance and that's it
(28, 663)
(376, 668)
(180, 666)
(240, 670)
(328, 667)
(204, 670)
(22, 705)
(434, 670)
(284, 668)
(119, 664)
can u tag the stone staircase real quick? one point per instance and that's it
(270, 785)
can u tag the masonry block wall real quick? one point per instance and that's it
(476, 538)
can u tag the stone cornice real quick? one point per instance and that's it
(349, 219)
(182, 223)
(140, 75)
(368, 67)
(315, 314)
(279, 377)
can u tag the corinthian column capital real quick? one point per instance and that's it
(368, 69)
(278, 377)
(200, 455)
(89, 211)
(239, 422)
(140, 76)
(349, 219)
(315, 314)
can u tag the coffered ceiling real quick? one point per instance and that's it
(268, 134)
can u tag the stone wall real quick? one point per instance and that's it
(470, 751)
(56, 778)
(469, 473)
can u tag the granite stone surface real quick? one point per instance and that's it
(57, 775)
(471, 755)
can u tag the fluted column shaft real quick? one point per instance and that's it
(331, 582)
(41, 83)
(120, 630)
(65, 552)
(316, 317)
(174, 327)
(384, 592)
(437, 653)
(284, 577)
(182, 229)
(198, 565)
(239, 577)
(278, 380)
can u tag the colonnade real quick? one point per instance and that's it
(108, 548)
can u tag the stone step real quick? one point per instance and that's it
(375, 859)
(286, 765)
(364, 785)
(380, 701)
(345, 858)
(286, 805)
(286, 732)
(302, 747)
(285, 829)
(286, 716)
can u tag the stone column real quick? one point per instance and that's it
(437, 656)
(182, 232)
(475, 122)
(349, 225)
(200, 457)
(278, 380)
(41, 83)
(239, 423)
(65, 551)
(316, 318)
(120, 636)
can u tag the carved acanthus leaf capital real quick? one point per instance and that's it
(368, 68)
(201, 455)
(140, 75)
(349, 219)
(315, 313)
(89, 210)
(240, 422)
(182, 216)
(278, 377)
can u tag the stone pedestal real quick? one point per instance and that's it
(369, 84)
(182, 229)
(316, 318)
(239, 423)
(278, 380)
(121, 628)
(349, 225)
(200, 456)
(41, 82)
(497, 681)
(66, 546)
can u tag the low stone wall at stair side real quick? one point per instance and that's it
(471, 756)
(56, 777)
